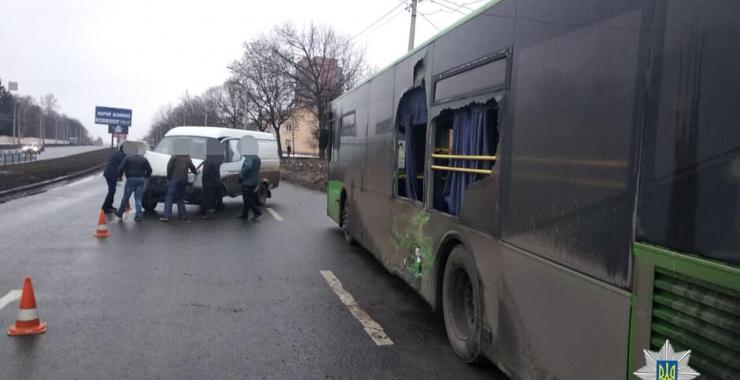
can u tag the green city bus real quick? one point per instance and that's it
(561, 179)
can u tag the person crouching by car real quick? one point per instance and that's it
(249, 176)
(177, 179)
(111, 177)
(211, 177)
(137, 170)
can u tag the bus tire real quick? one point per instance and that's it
(462, 305)
(345, 223)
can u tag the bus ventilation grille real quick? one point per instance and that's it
(700, 316)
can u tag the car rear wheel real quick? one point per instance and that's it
(462, 305)
(262, 195)
(149, 206)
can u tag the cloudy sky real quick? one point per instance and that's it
(142, 54)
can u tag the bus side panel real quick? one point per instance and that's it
(379, 164)
(689, 199)
(568, 188)
(555, 323)
(576, 85)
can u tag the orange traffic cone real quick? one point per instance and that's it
(28, 322)
(102, 230)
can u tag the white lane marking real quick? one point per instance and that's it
(12, 296)
(274, 214)
(372, 328)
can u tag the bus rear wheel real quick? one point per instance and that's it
(461, 304)
(345, 223)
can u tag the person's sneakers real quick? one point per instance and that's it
(109, 210)
(119, 214)
(242, 217)
(208, 215)
(137, 218)
(164, 220)
(256, 216)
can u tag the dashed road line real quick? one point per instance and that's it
(274, 214)
(12, 296)
(372, 328)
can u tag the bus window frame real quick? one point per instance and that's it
(343, 127)
(394, 194)
(504, 54)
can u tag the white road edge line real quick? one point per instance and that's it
(372, 328)
(274, 214)
(12, 296)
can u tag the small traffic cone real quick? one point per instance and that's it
(28, 322)
(102, 230)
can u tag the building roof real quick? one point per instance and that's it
(217, 133)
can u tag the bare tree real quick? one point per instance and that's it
(48, 104)
(323, 64)
(271, 94)
(233, 103)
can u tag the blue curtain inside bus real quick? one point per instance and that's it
(472, 135)
(412, 119)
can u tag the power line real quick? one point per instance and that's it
(429, 21)
(378, 20)
(448, 7)
(382, 24)
(458, 5)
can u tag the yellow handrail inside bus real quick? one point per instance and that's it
(404, 176)
(463, 157)
(462, 170)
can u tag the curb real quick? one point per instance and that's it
(33, 186)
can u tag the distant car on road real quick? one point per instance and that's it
(34, 148)
(270, 168)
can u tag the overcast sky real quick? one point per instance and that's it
(142, 54)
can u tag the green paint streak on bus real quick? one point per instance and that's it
(333, 198)
(408, 236)
(692, 265)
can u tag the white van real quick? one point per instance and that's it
(156, 187)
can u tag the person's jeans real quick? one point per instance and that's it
(108, 203)
(250, 201)
(175, 193)
(133, 185)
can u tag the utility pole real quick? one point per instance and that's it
(413, 24)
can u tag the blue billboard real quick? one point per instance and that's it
(113, 116)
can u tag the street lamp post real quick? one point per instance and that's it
(13, 86)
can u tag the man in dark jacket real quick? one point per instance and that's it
(111, 176)
(249, 179)
(211, 177)
(177, 180)
(137, 170)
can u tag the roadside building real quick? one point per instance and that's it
(299, 133)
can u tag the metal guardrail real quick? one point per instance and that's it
(16, 157)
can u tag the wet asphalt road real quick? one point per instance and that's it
(206, 299)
